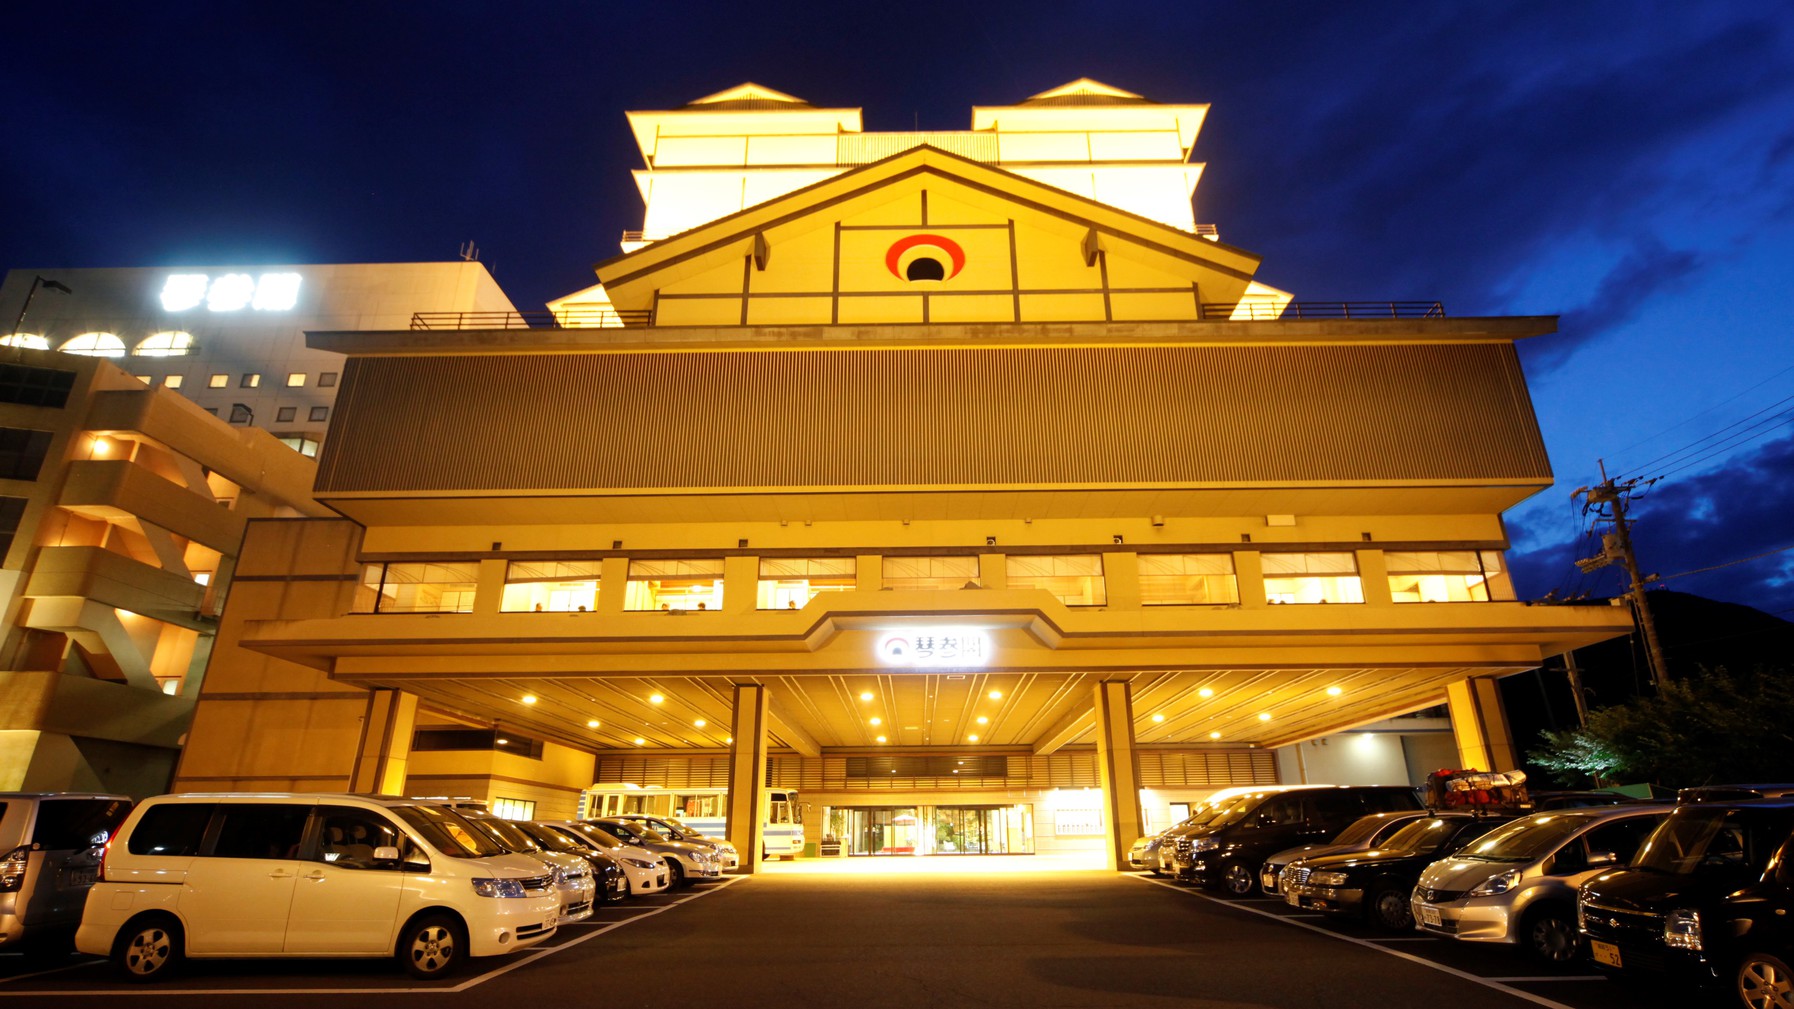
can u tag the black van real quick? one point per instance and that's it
(1227, 851)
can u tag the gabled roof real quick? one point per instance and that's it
(747, 92)
(1085, 91)
(632, 278)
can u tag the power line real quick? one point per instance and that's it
(1703, 413)
(1743, 437)
(1696, 446)
(1727, 564)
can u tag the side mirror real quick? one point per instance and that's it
(386, 853)
(1599, 858)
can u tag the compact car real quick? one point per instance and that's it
(1375, 884)
(1366, 832)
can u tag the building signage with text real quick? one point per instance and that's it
(934, 647)
(230, 292)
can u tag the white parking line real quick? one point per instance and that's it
(511, 964)
(1368, 944)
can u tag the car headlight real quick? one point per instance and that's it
(1682, 929)
(1328, 878)
(1204, 844)
(498, 887)
(1501, 882)
(640, 863)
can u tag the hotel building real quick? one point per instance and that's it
(962, 482)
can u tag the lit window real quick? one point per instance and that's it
(173, 381)
(1312, 578)
(327, 379)
(905, 573)
(145, 379)
(674, 585)
(218, 381)
(285, 414)
(296, 380)
(789, 583)
(302, 445)
(319, 414)
(29, 341)
(95, 345)
(1187, 579)
(1075, 579)
(514, 809)
(170, 344)
(551, 586)
(1443, 576)
(417, 587)
(250, 381)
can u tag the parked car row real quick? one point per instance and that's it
(1701, 891)
(266, 875)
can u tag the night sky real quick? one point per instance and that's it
(1628, 166)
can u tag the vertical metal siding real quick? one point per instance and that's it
(960, 417)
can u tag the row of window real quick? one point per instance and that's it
(248, 380)
(791, 582)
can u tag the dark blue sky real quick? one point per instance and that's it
(1626, 165)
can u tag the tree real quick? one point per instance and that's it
(1702, 729)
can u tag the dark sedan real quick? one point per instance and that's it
(1376, 884)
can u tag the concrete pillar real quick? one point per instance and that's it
(868, 572)
(385, 748)
(1479, 724)
(747, 774)
(1121, 580)
(1373, 578)
(1249, 572)
(1117, 771)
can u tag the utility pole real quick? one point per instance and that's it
(1575, 676)
(1616, 548)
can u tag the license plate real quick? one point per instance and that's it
(1292, 898)
(1604, 952)
(1429, 915)
(72, 878)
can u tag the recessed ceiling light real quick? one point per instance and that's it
(639, 741)
(591, 723)
(1158, 717)
(972, 738)
(1264, 716)
(655, 698)
(502, 741)
(865, 695)
(1205, 693)
(1214, 735)
(996, 695)
(1334, 691)
(878, 721)
(731, 739)
(700, 723)
(983, 720)
(881, 739)
(529, 698)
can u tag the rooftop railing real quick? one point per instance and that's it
(571, 318)
(1225, 311)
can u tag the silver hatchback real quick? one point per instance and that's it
(49, 854)
(1518, 884)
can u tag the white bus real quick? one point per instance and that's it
(704, 810)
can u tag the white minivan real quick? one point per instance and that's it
(251, 875)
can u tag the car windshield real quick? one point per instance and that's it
(1428, 833)
(1234, 810)
(551, 839)
(506, 833)
(1366, 827)
(638, 832)
(597, 835)
(1527, 839)
(448, 833)
(1693, 840)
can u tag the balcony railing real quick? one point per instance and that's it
(1267, 311)
(570, 318)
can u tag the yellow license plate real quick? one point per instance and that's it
(1604, 952)
(1429, 915)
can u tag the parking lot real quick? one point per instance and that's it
(930, 932)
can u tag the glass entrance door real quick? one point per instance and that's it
(981, 830)
(880, 830)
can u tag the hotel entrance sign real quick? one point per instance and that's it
(229, 292)
(935, 648)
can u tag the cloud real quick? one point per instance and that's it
(1736, 511)
(1650, 269)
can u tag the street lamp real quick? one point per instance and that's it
(36, 282)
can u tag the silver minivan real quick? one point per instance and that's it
(1518, 883)
(52, 844)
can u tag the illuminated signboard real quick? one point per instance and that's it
(230, 292)
(934, 648)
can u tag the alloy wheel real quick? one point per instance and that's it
(1764, 982)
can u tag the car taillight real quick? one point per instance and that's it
(12, 869)
(100, 870)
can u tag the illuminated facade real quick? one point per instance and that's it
(987, 501)
(232, 338)
(121, 511)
